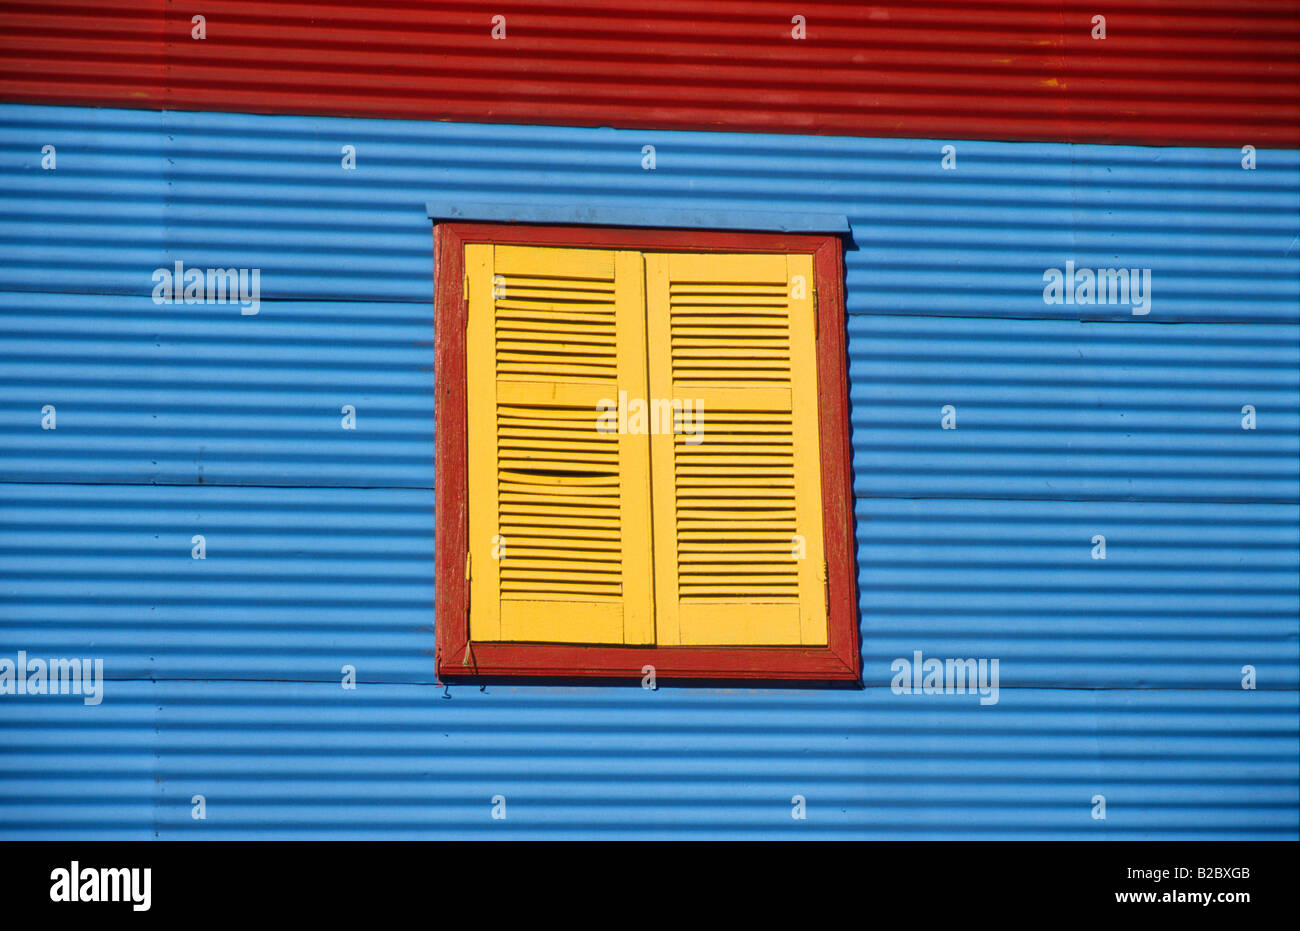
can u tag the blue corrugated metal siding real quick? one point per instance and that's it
(301, 581)
(136, 190)
(277, 759)
(171, 395)
(199, 394)
(1118, 677)
(297, 581)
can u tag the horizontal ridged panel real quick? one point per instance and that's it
(286, 760)
(136, 191)
(143, 394)
(144, 391)
(1187, 594)
(296, 583)
(1057, 409)
(1119, 677)
(1198, 73)
(1045, 409)
(300, 582)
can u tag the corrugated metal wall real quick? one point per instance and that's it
(1119, 677)
(1195, 72)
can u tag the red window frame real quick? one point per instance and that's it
(459, 659)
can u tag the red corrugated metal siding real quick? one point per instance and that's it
(1192, 73)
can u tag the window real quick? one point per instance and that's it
(642, 454)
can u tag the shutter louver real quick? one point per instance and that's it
(554, 503)
(731, 504)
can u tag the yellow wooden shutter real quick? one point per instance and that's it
(730, 511)
(558, 511)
